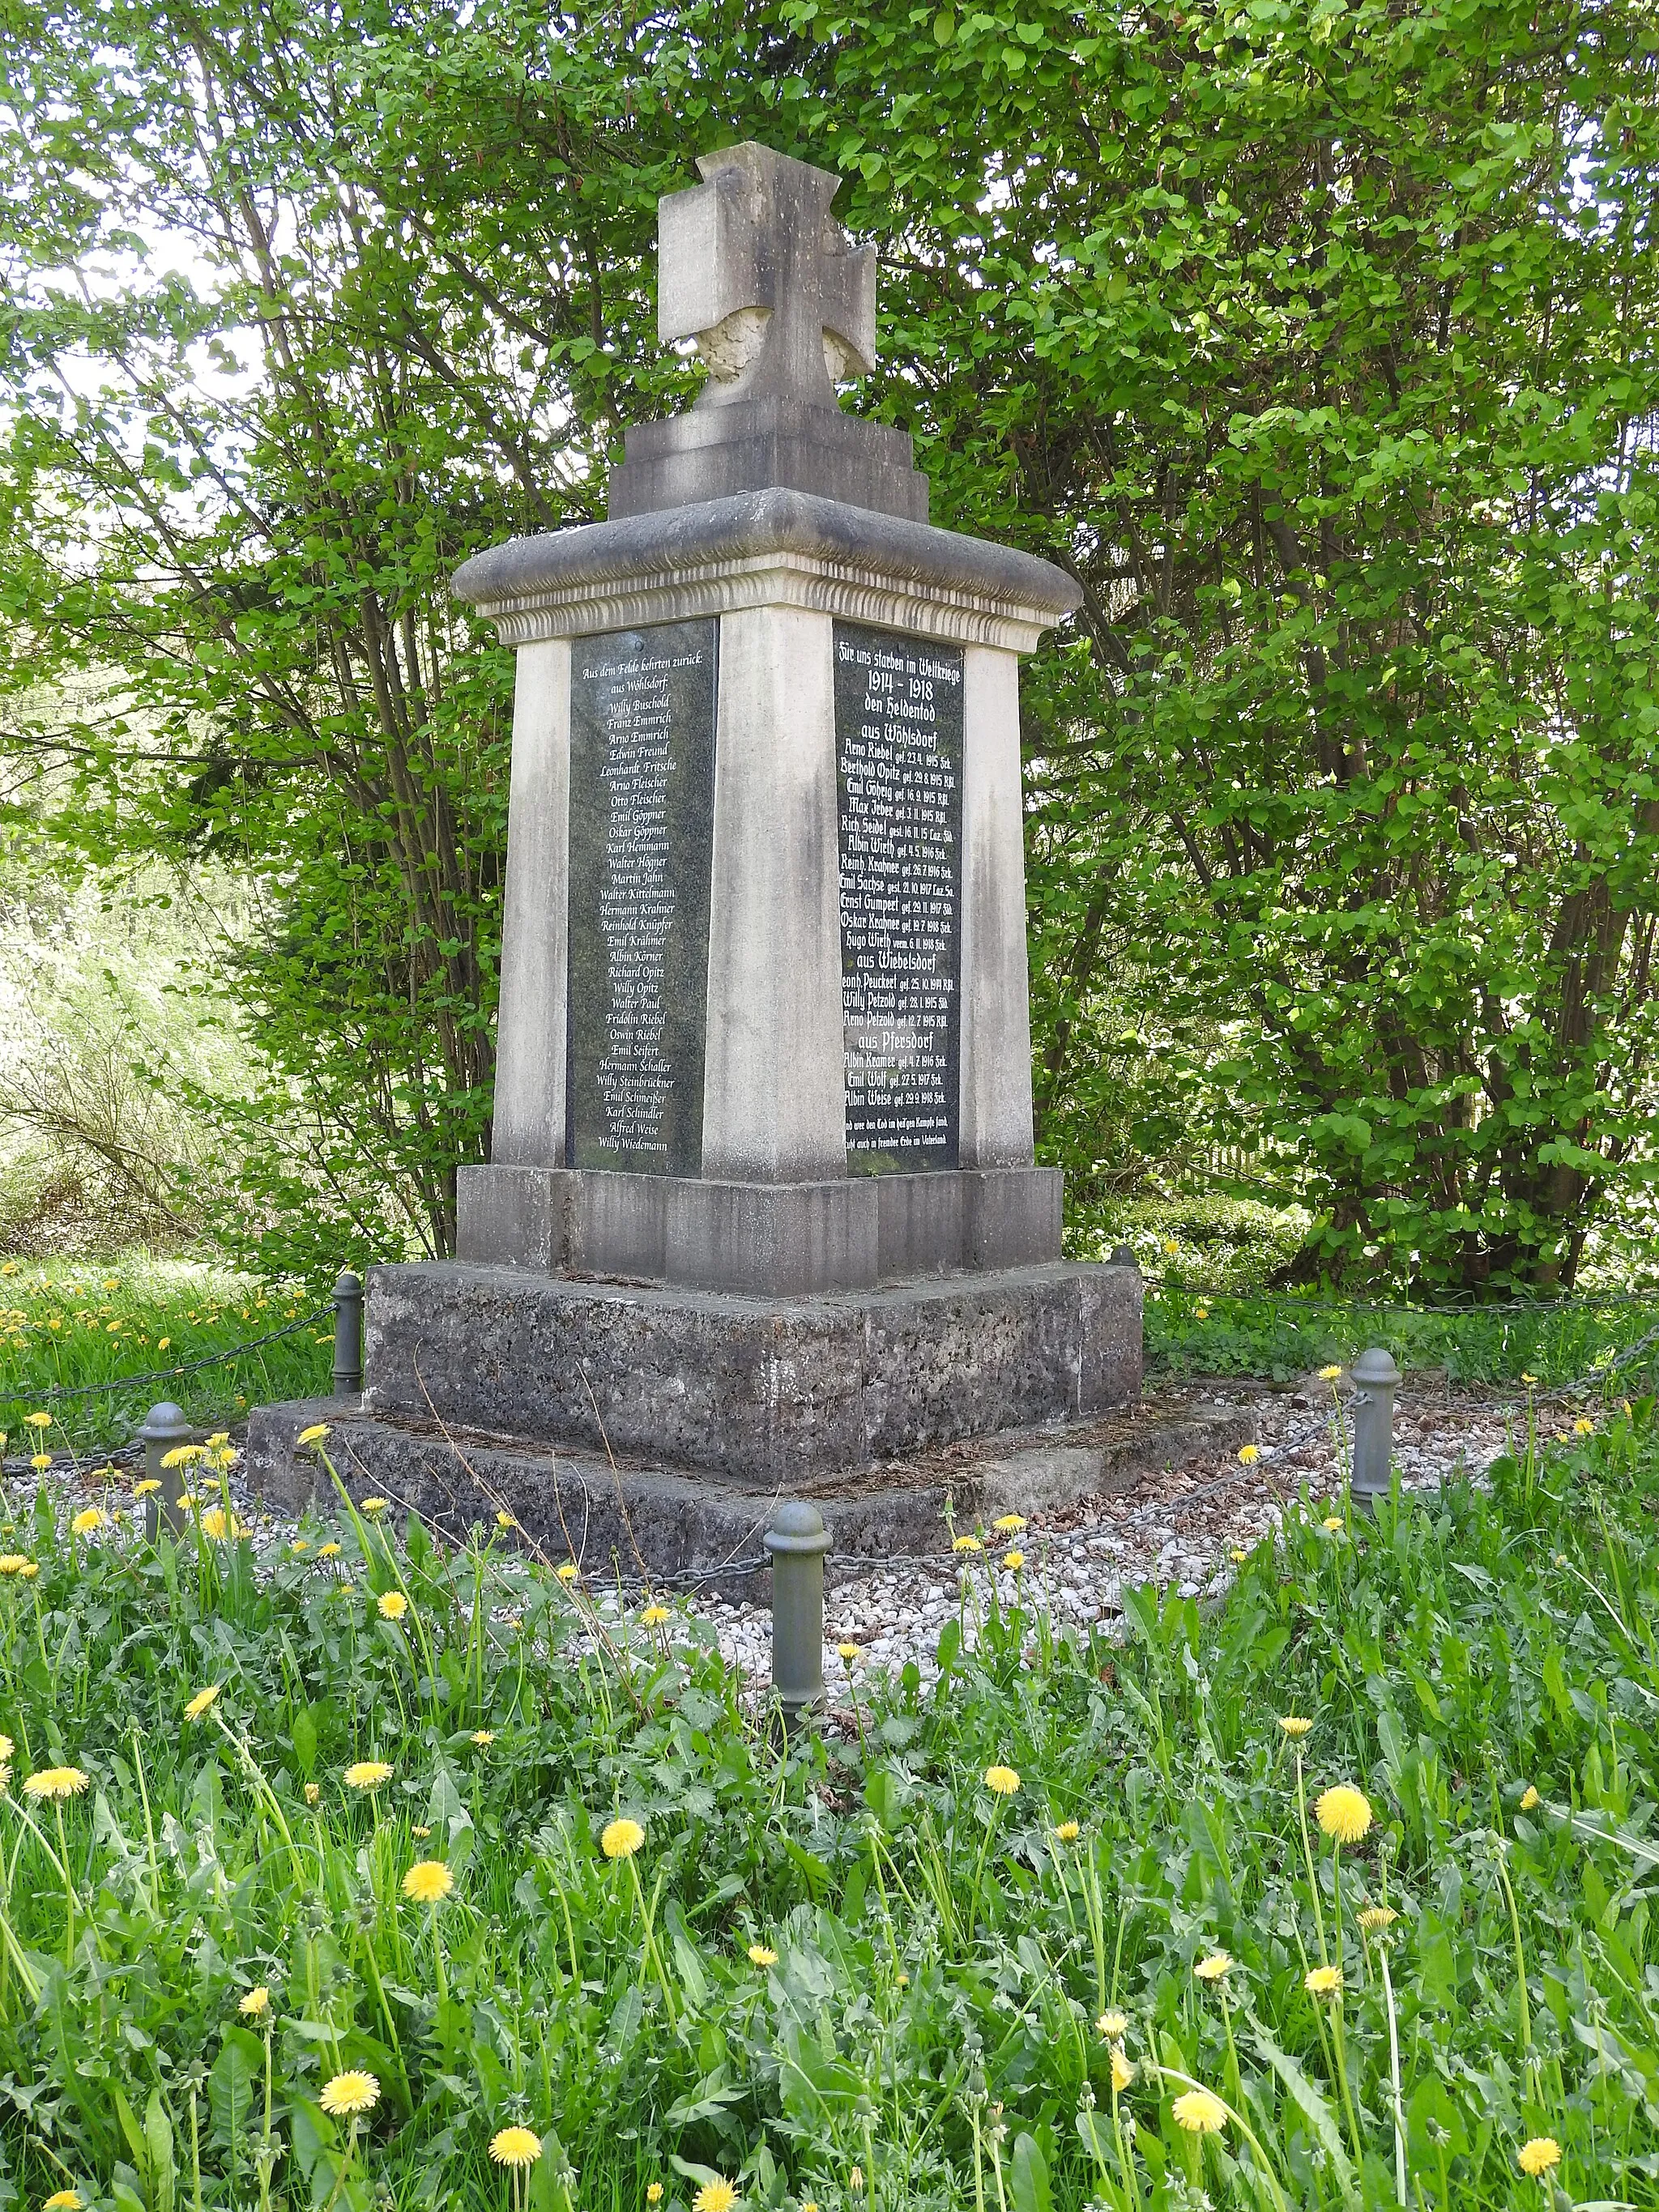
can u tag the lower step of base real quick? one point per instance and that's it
(641, 1523)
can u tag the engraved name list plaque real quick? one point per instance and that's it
(642, 816)
(898, 757)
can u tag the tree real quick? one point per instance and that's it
(1317, 342)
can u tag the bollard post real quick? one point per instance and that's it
(348, 1336)
(798, 1540)
(1375, 1379)
(165, 1428)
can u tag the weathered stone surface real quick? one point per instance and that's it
(767, 548)
(784, 1240)
(775, 1391)
(662, 1522)
(782, 306)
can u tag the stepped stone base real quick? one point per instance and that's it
(769, 1391)
(661, 1523)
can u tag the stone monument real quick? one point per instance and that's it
(761, 1199)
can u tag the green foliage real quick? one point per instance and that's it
(75, 1326)
(1318, 344)
(940, 1951)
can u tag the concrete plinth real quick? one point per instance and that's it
(763, 1240)
(764, 1390)
(662, 1524)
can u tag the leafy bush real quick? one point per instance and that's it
(865, 1969)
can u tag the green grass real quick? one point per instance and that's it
(1598, 1344)
(926, 2034)
(64, 1326)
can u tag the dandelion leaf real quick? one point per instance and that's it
(1028, 2177)
(1314, 2107)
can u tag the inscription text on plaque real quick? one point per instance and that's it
(898, 757)
(641, 833)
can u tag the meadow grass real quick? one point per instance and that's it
(943, 1951)
(1596, 1343)
(65, 1325)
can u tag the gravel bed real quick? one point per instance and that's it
(1181, 1529)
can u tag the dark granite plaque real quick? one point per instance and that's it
(641, 833)
(898, 752)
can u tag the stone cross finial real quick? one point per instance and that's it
(753, 266)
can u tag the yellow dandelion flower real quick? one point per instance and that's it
(1247, 1456)
(29, 1570)
(1330, 1374)
(1238, 1555)
(349, 2094)
(654, 2195)
(622, 1838)
(761, 1954)
(255, 2002)
(653, 1617)
(162, 1342)
(1013, 1561)
(1581, 1427)
(1199, 2114)
(1002, 1780)
(1294, 1725)
(484, 1738)
(199, 1704)
(1528, 1798)
(417, 1829)
(367, 1773)
(65, 2200)
(374, 1507)
(1528, 1379)
(1113, 2025)
(428, 1881)
(41, 1462)
(147, 1488)
(300, 1544)
(1215, 1968)
(1009, 1524)
(1539, 2156)
(328, 1550)
(967, 1544)
(1122, 2073)
(566, 1571)
(716, 2196)
(219, 1525)
(1066, 1832)
(1375, 1917)
(182, 1455)
(515, 2147)
(849, 1654)
(1323, 1981)
(855, 2181)
(56, 1783)
(392, 1605)
(12, 1562)
(90, 1517)
(313, 1792)
(1331, 1524)
(1344, 1814)
(38, 1420)
(313, 1435)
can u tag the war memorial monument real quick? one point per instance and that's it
(762, 1212)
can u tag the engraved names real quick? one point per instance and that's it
(898, 746)
(641, 798)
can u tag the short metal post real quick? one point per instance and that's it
(798, 1540)
(1375, 1378)
(165, 1429)
(348, 1336)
